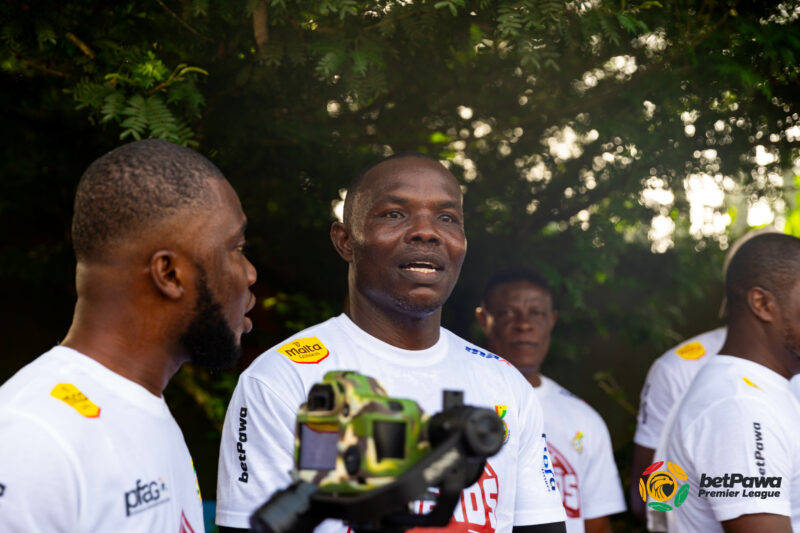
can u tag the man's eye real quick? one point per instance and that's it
(448, 218)
(243, 247)
(392, 214)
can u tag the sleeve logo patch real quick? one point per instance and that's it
(70, 395)
(308, 350)
(693, 350)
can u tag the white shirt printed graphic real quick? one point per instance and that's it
(86, 450)
(668, 379)
(736, 435)
(583, 459)
(256, 456)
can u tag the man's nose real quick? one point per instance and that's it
(423, 229)
(252, 274)
(523, 323)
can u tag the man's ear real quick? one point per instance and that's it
(340, 237)
(553, 319)
(762, 303)
(483, 319)
(168, 277)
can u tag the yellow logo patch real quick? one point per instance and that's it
(309, 350)
(693, 350)
(751, 383)
(70, 395)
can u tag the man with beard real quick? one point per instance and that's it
(403, 240)
(88, 443)
(734, 441)
(517, 314)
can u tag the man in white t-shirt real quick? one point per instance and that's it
(403, 239)
(88, 444)
(517, 315)
(667, 380)
(735, 435)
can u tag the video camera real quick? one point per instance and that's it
(362, 457)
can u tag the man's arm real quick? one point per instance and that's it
(601, 524)
(774, 523)
(256, 450)
(41, 491)
(642, 458)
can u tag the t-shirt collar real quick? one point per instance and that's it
(755, 371)
(546, 387)
(378, 348)
(115, 383)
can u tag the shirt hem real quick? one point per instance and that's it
(547, 516)
(232, 519)
(729, 512)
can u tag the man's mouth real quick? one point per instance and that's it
(424, 267)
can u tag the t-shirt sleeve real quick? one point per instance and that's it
(256, 452)
(740, 436)
(655, 403)
(601, 489)
(39, 481)
(538, 500)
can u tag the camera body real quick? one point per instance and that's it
(351, 437)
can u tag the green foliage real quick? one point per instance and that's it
(572, 126)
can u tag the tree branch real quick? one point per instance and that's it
(183, 22)
(82, 46)
(260, 28)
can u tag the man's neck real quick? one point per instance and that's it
(123, 349)
(402, 330)
(750, 342)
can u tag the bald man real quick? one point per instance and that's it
(403, 240)
(88, 443)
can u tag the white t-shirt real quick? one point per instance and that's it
(737, 418)
(583, 459)
(256, 456)
(84, 449)
(668, 379)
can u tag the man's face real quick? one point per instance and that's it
(223, 286)
(408, 235)
(517, 320)
(790, 318)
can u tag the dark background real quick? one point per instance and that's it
(290, 99)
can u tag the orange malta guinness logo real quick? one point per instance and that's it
(308, 350)
(70, 395)
(662, 486)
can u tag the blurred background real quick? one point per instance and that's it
(619, 147)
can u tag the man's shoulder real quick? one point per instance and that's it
(692, 353)
(299, 354)
(41, 401)
(473, 353)
(568, 403)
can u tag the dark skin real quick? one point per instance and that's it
(765, 329)
(518, 319)
(642, 458)
(404, 245)
(133, 306)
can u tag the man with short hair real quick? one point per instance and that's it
(403, 239)
(735, 436)
(517, 314)
(88, 443)
(667, 380)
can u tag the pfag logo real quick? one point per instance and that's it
(662, 486)
(475, 512)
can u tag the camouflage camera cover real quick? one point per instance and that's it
(353, 437)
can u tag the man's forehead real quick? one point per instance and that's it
(521, 291)
(408, 175)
